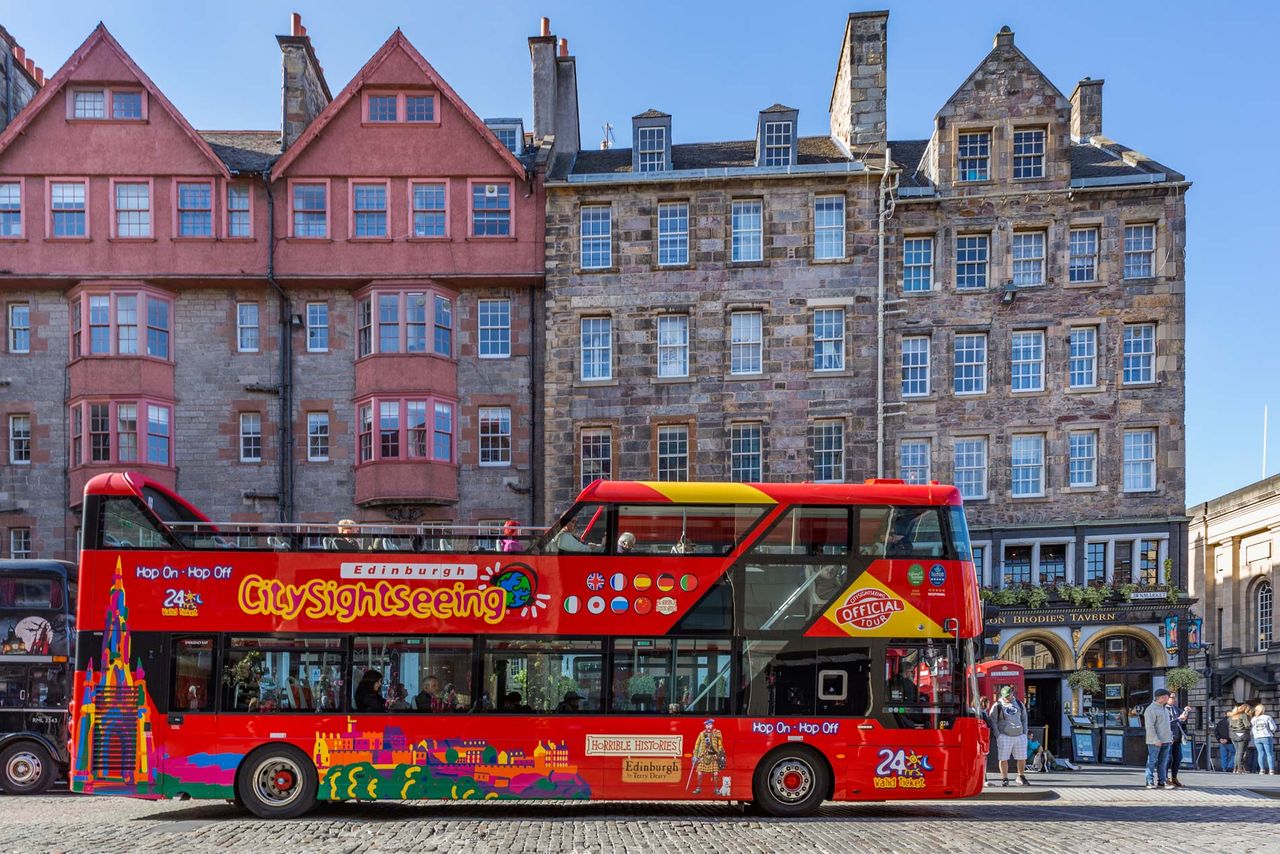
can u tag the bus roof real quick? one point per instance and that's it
(133, 483)
(706, 492)
(55, 567)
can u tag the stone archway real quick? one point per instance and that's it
(1060, 648)
(1154, 645)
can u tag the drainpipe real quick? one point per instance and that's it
(884, 215)
(8, 87)
(286, 361)
(535, 517)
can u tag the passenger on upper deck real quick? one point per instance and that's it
(567, 540)
(346, 541)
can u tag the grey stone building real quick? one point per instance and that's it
(714, 312)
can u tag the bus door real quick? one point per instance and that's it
(191, 723)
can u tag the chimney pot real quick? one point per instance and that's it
(564, 47)
(546, 26)
(295, 24)
(39, 76)
(1004, 38)
(20, 54)
(31, 66)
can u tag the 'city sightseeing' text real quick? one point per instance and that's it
(321, 599)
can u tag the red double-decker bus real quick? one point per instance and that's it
(778, 643)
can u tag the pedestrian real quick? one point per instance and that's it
(1177, 726)
(1159, 736)
(510, 531)
(1238, 723)
(1264, 739)
(1226, 750)
(1009, 717)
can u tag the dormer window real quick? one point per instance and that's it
(973, 156)
(510, 132)
(382, 108)
(777, 143)
(103, 102)
(653, 149)
(390, 108)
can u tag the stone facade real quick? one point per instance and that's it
(20, 78)
(1235, 555)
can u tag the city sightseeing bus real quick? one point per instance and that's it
(783, 644)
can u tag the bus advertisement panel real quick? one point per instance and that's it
(785, 644)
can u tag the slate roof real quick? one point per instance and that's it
(652, 113)
(244, 150)
(779, 108)
(706, 155)
(907, 153)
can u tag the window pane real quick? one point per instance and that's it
(828, 339)
(746, 354)
(913, 460)
(970, 370)
(745, 454)
(971, 262)
(828, 227)
(283, 675)
(193, 683)
(429, 210)
(673, 345)
(126, 105)
(597, 240)
(495, 327)
(747, 227)
(370, 208)
(673, 233)
(917, 264)
(133, 210)
(597, 348)
(382, 108)
(491, 210)
(420, 108)
(673, 453)
(973, 157)
(543, 676)
(411, 674)
(90, 105)
(643, 677)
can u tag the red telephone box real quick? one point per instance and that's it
(992, 675)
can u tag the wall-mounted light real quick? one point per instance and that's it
(296, 321)
(1010, 291)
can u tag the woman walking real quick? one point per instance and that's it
(1238, 723)
(1264, 738)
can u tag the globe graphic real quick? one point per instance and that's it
(518, 585)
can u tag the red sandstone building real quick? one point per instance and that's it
(328, 319)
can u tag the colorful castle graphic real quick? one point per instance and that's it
(385, 764)
(113, 749)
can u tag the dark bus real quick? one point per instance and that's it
(37, 630)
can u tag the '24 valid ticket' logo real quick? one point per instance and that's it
(868, 608)
(181, 603)
(899, 769)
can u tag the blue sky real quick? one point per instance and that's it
(1191, 84)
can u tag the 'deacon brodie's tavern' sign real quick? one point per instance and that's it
(1012, 617)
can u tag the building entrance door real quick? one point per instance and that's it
(1044, 709)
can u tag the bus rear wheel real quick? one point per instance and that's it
(791, 781)
(26, 768)
(277, 781)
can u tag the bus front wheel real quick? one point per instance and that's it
(277, 781)
(26, 768)
(791, 781)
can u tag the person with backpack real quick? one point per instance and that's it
(1238, 724)
(1264, 736)
(1009, 719)
(1159, 736)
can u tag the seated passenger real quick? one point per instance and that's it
(429, 698)
(346, 541)
(626, 543)
(567, 540)
(369, 693)
(570, 704)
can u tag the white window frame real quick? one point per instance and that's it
(828, 450)
(651, 148)
(20, 543)
(316, 420)
(828, 339)
(973, 156)
(132, 220)
(595, 438)
(672, 456)
(915, 460)
(1024, 367)
(747, 227)
(746, 342)
(595, 354)
(1028, 153)
(1138, 366)
(20, 445)
(1028, 250)
(243, 327)
(828, 227)
(1037, 577)
(778, 137)
(595, 237)
(746, 431)
(23, 328)
(248, 436)
(1082, 447)
(916, 357)
(973, 262)
(967, 358)
(1139, 261)
(1082, 357)
(492, 450)
(673, 351)
(1082, 259)
(981, 447)
(673, 234)
(1148, 462)
(1032, 469)
(917, 264)
(498, 325)
(317, 311)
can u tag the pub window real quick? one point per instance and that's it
(283, 675)
(411, 674)
(543, 677)
(192, 675)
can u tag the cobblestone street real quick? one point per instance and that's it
(1079, 820)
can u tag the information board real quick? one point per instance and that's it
(1082, 745)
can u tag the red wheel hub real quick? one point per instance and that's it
(283, 780)
(792, 780)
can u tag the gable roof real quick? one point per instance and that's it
(55, 85)
(992, 53)
(396, 40)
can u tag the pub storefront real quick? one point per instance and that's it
(1129, 646)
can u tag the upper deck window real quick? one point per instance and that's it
(901, 532)
(683, 529)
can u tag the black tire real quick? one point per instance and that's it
(277, 781)
(26, 768)
(791, 781)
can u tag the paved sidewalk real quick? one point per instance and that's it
(1110, 784)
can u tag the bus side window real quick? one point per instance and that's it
(192, 675)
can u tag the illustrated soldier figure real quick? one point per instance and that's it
(708, 755)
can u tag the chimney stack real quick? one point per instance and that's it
(305, 92)
(859, 105)
(1086, 110)
(555, 91)
(1004, 38)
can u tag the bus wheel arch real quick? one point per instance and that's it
(277, 780)
(793, 779)
(27, 767)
